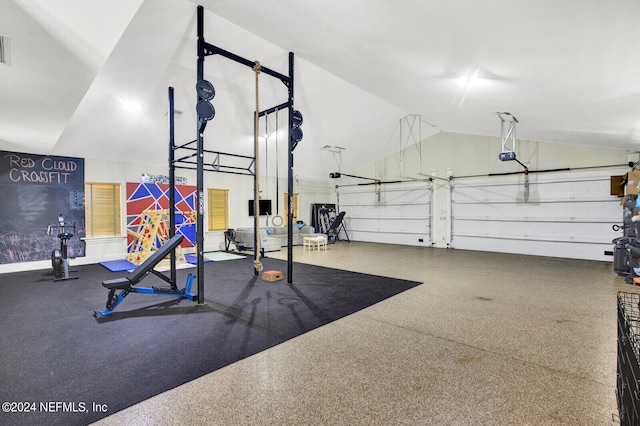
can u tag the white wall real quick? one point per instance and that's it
(240, 191)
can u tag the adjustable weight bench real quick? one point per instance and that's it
(126, 283)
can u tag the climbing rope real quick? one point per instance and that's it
(256, 218)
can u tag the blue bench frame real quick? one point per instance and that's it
(125, 284)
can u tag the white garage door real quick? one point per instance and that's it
(563, 214)
(394, 213)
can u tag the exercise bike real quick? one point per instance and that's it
(59, 258)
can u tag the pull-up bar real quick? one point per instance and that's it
(274, 109)
(210, 49)
(215, 165)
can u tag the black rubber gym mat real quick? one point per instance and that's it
(60, 365)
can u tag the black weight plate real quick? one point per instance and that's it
(205, 110)
(296, 134)
(205, 90)
(296, 117)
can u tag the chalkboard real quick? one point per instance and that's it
(34, 191)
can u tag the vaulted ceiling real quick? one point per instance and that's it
(569, 71)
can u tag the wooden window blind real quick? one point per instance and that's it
(102, 209)
(218, 209)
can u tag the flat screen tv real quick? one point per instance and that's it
(265, 208)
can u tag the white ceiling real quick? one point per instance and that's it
(569, 70)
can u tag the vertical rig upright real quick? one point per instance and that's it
(172, 177)
(200, 167)
(290, 177)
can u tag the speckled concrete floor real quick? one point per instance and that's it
(488, 339)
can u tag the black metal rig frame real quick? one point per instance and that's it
(186, 162)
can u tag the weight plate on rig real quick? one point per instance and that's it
(205, 110)
(205, 90)
(296, 134)
(296, 117)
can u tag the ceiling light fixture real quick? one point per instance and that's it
(470, 78)
(129, 105)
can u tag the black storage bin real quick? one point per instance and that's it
(621, 261)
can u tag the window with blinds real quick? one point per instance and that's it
(218, 209)
(102, 209)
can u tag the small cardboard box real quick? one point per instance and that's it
(272, 276)
(631, 182)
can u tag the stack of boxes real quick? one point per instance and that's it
(626, 253)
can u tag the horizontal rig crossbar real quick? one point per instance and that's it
(210, 49)
(210, 168)
(248, 157)
(214, 166)
(274, 109)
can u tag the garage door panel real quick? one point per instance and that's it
(554, 215)
(391, 213)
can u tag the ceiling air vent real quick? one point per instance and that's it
(5, 50)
